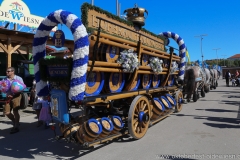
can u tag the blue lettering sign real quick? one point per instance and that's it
(14, 14)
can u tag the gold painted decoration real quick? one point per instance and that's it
(55, 107)
(136, 16)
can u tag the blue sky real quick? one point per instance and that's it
(219, 19)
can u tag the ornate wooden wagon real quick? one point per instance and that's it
(120, 76)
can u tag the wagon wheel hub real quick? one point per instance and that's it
(142, 117)
(180, 101)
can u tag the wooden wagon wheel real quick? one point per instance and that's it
(138, 117)
(179, 101)
(24, 101)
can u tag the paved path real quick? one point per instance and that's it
(207, 129)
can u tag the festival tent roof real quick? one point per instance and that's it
(236, 56)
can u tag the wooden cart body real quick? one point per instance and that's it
(115, 102)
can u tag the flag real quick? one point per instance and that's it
(188, 57)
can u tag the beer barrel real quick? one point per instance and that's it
(106, 83)
(116, 82)
(165, 101)
(171, 99)
(82, 135)
(94, 84)
(112, 54)
(133, 84)
(107, 126)
(100, 52)
(117, 124)
(170, 80)
(89, 131)
(145, 59)
(158, 108)
(146, 81)
(69, 130)
(155, 80)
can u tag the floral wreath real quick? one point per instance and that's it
(174, 67)
(156, 64)
(129, 60)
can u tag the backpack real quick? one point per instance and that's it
(227, 75)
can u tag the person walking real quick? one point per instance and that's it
(227, 77)
(14, 100)
(236, 74)
(37, 105)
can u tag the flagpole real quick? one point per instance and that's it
(201, 36)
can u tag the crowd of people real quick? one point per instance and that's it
(233, 78)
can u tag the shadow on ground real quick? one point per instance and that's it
(32, 141)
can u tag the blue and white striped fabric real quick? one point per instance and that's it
(80, 54)
(182, 49)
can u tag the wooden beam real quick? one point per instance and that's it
(15, 26)
(28, 51)
(169, 67)
(9, 60)
(4, 48)
(19, 52)
(9, 55)
(16, 47)
(28, 39)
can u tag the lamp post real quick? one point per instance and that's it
(216, 53)
(224, 58)
(201, 38)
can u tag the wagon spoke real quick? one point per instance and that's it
(136, 109)
(142, 103)
(144, 124)
(144, 106)
(135, 121)
(140, 128)
(135, 125)
(135, 115)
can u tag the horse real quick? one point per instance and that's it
(194, 78)
(207, 82)
(215, 77)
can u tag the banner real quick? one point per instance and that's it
(16, 11)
